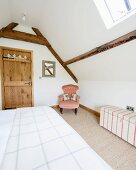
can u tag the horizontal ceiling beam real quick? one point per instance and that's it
(22, 36)
(8, 32)
(112, 44)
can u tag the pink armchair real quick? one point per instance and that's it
(69, 104)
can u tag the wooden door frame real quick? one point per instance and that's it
(1, 73)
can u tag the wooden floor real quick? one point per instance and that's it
(117, 153)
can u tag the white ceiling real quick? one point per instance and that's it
(5, 15)
(71, 26)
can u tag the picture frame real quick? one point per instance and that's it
(48, 68)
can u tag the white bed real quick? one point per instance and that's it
(39, 139)
(6, 123)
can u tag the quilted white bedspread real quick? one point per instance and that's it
(6, 123)
(39, 139)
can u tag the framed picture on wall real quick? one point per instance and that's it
(48, 68)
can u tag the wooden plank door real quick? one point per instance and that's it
(17, 79)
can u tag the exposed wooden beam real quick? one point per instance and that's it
(17, 35)
(62, 63)
(8, 32)
(112, 44)
(10, 26)
(38, 33)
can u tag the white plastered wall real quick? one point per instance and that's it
(46, 90)
(108, 78)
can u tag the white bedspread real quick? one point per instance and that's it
(41, 140)
(6, 122)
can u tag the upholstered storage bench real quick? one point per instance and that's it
(119, 121)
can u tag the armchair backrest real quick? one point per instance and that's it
(70, 89)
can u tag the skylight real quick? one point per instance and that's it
(115, 11)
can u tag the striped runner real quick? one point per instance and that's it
(135, 135)
(123, 122)
(105, 112)
(118, 118)
(119, 122)
(129, 126)
(112, 118)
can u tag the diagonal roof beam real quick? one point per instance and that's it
(10, 26)
(8, 32)
(112, 44)
(37, 32)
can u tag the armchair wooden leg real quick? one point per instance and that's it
(76, 111)
(61, 110)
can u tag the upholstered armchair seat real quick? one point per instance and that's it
(69, 104)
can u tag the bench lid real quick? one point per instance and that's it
(130, 117)
(121, 113)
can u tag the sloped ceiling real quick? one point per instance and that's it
(5, 15)
(117, 64)
(71, 26)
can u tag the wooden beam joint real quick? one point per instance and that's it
(8, 32)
